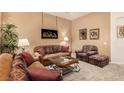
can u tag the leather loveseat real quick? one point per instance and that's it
(49, 51)
(86, 51)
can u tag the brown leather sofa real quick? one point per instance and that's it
(85, 52)
(49, 51)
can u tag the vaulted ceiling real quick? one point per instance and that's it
(69, 15)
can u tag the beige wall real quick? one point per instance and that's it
(0, 18)
(0, 24)
(91, 21)
(29, 26)
(117, 44)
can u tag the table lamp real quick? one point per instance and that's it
(65, 42)
(66, 39)
(23, 43)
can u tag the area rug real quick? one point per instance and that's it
(89, 72)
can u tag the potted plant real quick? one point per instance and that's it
(9, 38)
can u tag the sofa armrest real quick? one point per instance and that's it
(45, 62)
(38, 57)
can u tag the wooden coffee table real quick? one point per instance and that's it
(65, 62)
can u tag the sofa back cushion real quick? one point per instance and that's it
(93, 48)
(48, 49)
(5, 66)
(56, 48)
(87, 48)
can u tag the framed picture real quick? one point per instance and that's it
(49, 34)
(83, 34)
(94, 34)
(120, 31)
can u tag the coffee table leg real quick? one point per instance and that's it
(60, 70)
(76, 68)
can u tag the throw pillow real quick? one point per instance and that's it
(18, 72)
(27, 57)
(38, 74)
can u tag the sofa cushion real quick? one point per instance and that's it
(56, 49)
(5, 66)
(48, 49)
(27, 57)
(63, 54)
(87, 48)
(43, 74)
(50, 56)
(37, 64)
(93, 48)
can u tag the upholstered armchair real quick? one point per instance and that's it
(87, 50)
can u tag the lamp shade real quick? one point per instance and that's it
(23, 42)
(66, 39)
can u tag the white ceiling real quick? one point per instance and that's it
(69, 15)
